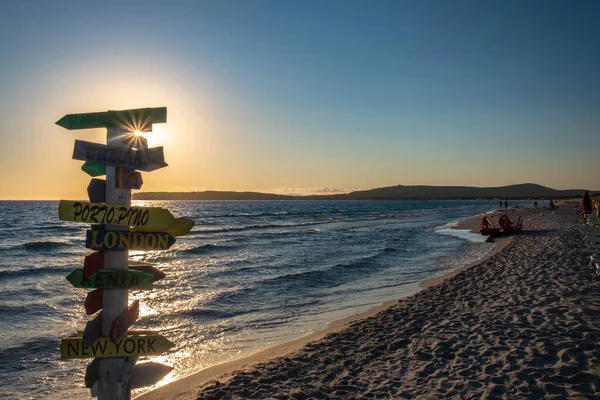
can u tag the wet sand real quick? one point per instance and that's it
(523, 323)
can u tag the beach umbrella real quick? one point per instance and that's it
(586, 203)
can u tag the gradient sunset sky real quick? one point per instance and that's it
(307, 96)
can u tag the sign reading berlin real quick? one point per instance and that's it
(125, 157)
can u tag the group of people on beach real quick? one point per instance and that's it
(505, 204)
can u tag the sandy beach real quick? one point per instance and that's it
(523, 323)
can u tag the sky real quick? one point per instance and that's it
(306, 96)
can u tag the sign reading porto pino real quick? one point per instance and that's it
(154, 218)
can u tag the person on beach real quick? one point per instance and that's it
(500, 206)
(586, 204)
(535, 204)
(505, 205)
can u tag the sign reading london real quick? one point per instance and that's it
(119, 240)
(140, 119)
(125, 157)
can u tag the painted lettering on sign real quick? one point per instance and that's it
(125, 347)
(126, 157)
(118, 240)
(151, 218)
(111, 279)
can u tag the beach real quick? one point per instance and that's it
(521, 323)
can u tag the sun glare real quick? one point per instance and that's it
(137, 133)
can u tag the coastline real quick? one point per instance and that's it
(191, 385)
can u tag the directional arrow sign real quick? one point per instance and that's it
(93, 168)
(157, 274)
(140, 119)
(92, 372)
(179, 227)
(125, 157)
(92, 331)
(150, 218)
(145, 374)
(96, 190)
(93, 301)
(119, 240)
(139, 345)
(128, 179)
(111, 279)
(127, 318)
(93, 263)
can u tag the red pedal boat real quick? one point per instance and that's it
(506, 226)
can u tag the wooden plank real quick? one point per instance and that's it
(93, 301)
(124, 240)
(112, 279)
(149, 218)
(139, 345)
(139, 119)
(93, 168)
(92, 331)
(92, 372)
(128, 179)
(157, 274)
(93, 263)
(96, 190)
(124, 321)
(125, 157)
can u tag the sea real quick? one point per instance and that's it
(251, 274)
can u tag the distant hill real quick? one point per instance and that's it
(400, 192)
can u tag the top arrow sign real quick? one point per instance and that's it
(139, 119)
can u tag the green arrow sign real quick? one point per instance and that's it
(93, 168)
(112, 279)
(141, 345)
(140, 119)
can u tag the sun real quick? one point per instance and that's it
(137, 133)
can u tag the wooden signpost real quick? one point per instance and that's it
(150, 218)
(112, 279)
(118, 240)
(138, 345)
(97, 190)
(121, 324)
(117, 227)
(93, 168)
(143, 159)
(140, 119)
(128, 179)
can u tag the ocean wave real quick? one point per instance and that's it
(38, 246)
(13, 356)
(297, 283)
(259, 227)
(27, 272)
(205, 248)
(207, 314)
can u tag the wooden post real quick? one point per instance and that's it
(110, 386)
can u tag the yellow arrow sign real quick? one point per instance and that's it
(138, 345)
(150, 218)
(181, 226)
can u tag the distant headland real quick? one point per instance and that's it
(399, 192)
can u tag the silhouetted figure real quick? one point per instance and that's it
(500, 206)
(535, 204)
(505, 205)
(586, 204)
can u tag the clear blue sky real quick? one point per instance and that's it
(302, 95)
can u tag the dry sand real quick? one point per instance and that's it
(524, 323)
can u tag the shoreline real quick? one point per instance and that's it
(188, 386)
